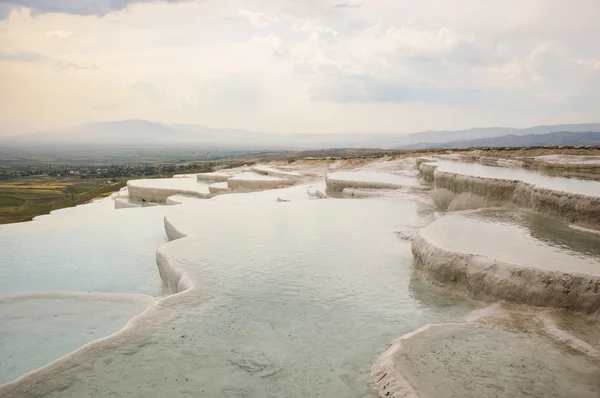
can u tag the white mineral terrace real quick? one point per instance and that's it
(158, 190)
(216, 176)
(502, 351)
(255, 181)
(368, 179)
(277, 172)
(569, 160)
(516, 256)
(278, 282)
(460, 186)
(569, 185)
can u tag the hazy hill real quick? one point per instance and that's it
(558, 138)
(143, 132)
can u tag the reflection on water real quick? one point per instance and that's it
(313, 290)
(573, 185)
(305, 294)
(88, 248)
(518, 237)
(551, 231)
(38, 329)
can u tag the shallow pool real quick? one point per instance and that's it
(87, 248)
(290, 299)
(518, 237)
(572, 185)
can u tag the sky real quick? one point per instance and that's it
(300, 66)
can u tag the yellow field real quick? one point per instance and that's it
(30, 190)
(25, 198)
(35, 186)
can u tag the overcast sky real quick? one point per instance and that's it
(300, 65)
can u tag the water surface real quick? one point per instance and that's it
(369, 176)
(36, 330)
(305, 296)
(518, 237)
(572, 185)
(87, 248)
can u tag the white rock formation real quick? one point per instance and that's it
(215, 176)
(218, 187)
(496, 261)
(276, 172)
(317, 191)
(508, 352)
(578, 202)
(158, 190)
(254, 181)
(370, 180)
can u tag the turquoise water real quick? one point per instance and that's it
(291, 299)
(35, 330)
(88, 248)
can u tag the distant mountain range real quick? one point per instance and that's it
(146, 133)
(557, 138)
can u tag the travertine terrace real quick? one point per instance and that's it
(485, 279)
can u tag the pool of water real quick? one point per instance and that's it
(87, 248)
(291, 299)
(572, 185)
(293, 193)
(518, 237)
(375, 177)
(37, 329)
(191, 184)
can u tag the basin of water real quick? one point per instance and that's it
(572, 185)
(38, 328)
(184, 184)
(87, 248)
(518, 237)
(366, 178)
(289, 299)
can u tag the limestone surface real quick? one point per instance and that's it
(253, 181)
(218, 187)
(215, 176)
(520, 257)
(158, 190)
(510, 354)
(572, 200)
(368, 179)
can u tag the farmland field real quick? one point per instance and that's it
(24, 198)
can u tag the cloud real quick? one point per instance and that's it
(59, 34)
(296, 66)
(77, 7)
(373, 90)
(272, 43)
(259, 19)
(237, 92)
(22, 56)
(107, 106)
(74, 65)
(349, 4)
(57, 64)
(147, 89)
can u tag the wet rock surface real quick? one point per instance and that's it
(507, 353)
(278, 293)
